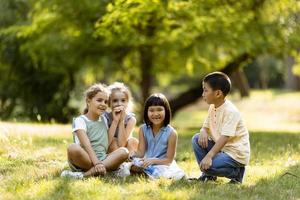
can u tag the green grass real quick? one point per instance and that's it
(32, 156)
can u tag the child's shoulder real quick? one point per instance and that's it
(80, 118)
(130, 116)
(144, 126)
(231, 110)
(171, 129)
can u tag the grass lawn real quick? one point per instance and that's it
(32, 157)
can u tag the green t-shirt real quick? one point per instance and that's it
(96, 132)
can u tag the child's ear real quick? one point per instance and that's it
(219, 93)
(87, 101)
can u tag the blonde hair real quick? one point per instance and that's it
(121, 87)
(92, 91)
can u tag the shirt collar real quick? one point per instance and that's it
(221, 107)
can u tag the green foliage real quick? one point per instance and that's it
(50, 50)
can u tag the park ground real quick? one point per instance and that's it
(32, 157)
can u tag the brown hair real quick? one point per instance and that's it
(92, 91)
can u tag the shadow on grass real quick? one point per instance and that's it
(283, 186)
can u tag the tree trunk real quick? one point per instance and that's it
(292, 82)
(240, 81)
(195, 93)
(146, 56)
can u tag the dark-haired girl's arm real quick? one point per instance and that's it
(141, 148)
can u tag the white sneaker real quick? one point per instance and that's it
(70, 174)
(124, 170)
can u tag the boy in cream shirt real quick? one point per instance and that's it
(222, 147)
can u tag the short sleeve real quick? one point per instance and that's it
(231, 120)
(128, 117)
(78, 124)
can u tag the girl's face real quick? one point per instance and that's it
(118, 98)
(156, 115)
(98, 104)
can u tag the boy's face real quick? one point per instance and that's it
(209, 95)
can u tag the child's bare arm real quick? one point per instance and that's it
(203, 137)
(141, 148)
(125, 132)
(111, 131)
(86, 145)
(172, 143)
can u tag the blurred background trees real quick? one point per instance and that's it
(50, 51)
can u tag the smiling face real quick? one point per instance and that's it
(156, 115)
(98, 104)
(209, 95)
(118, 98)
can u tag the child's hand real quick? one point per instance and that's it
(123, 114)
(148, 162)
(100, 169)
(205, 163)
(203, 139)
(131, 155)
(117, 111)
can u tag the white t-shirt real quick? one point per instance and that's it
(79, 124)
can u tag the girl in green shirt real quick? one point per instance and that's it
(88, 155)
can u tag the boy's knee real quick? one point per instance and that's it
(195, 139)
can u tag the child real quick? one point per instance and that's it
(121, 121)
(222, 147)
(157, 141)
(88, 155)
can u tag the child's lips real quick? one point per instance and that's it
(102, 109)
(156, 118)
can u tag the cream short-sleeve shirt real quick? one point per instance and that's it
(226, 120)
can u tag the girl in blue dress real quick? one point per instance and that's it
(157, 141)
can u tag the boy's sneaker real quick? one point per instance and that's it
(206, 178)
(70, 174)
(240, 176)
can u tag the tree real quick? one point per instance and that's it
(51, 49)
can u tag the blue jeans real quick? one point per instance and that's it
(222, 164)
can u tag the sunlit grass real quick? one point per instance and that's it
(33, 155)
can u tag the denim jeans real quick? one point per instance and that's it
(222, 164)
